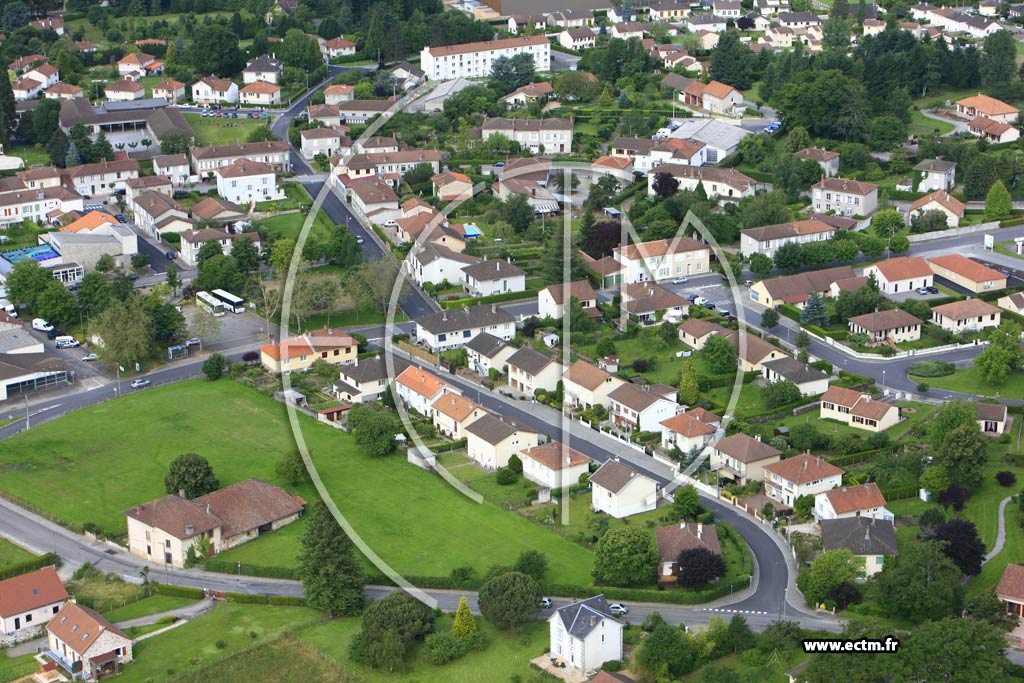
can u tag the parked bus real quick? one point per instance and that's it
(211, 303)
(231, 302)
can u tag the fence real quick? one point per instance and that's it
(414, 350)
(953, 232)
(901, 354)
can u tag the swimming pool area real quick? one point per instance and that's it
(40, 252)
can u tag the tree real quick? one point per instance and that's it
(219, 53)
(517, 212)
(373, 283)
(16, 15)
(398, 618)
(898, 162)
(190, 475)
(998, 203)
(666, 653)
(315, 295)
(866, 299)
(665, 185)
(126, 329)
(789, 257)
(689, 383)
(998, 65)
(954, 496)
(934, 479)
(624, 557)
(204, 325)
(171, 278)
(509, 600)
(921, 583)
(291, 468)
(899, 244)
(209, 249)
(602, 192)
(697, 567)
(685, 502)
(329, 567)
(814, 312)
(955, 650)
(27, 281)
(887, 222)
(769, 318)
(765, 208)
(988, 608)
(761, 264)
(533, 563)
(464, 623)
(778, 394)
(56, 304)
(374, 431)
(830, 569)
(175, 143)
(732, 61)
(261, 134)
(299, 51)
(45, 119)
(1002, 356)
(214, 366)
(93, 293)
(962, 544)
(719, 355)
(958, 444)
(102, 150)
(601, 238)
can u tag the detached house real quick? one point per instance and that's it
(662, 259)
(715, 97)
(29, 600)
(797, 289)
(492, 440)
(125, 90)
(825, 158)
(992, 417)
(365, 380)
(486, 352)
(989, 107)
(742, 458)
(936, 174)
(453, 329)
(673, 540)
(577, 38)
(338, 47)
(137, 65)
(452, 413)
(493, 276)
(901, 274)
(802, 475)
(261, 93)
(870, 539)
(809, 380)
(585, 385)
(844, 197)
(299, 353)
(585, 635)
(171, 90)
(887, 327)
(85, 644)
(451, 185)
(554, 465)
(620, 491)
(419, 389)
(551, 300)
(212, 90)
(695, 332)
(686, 432)
(942, 201)
(767, 239)
(865, 500)
(247, 181)
(646, 303)
(193, 240)
(967, 273)
(634, 408)
(530, 370)
(265, 68)
(723, 184)
(103, 177)
(994, 131)
(173, 166)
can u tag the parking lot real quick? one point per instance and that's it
(238, 331)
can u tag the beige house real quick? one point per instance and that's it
(419, 389)
(662, 259)
(990, 107)
(620, 491)
(767, 239)
(757, 351)
(871, 540)
(887, 327)
(260, 93)
(365, 380)
(636, 408)
(803, 475)
(453, 413)
(673, 540)
(586, 385)
(554, 465)
(857, 410)
(486, 352)
(298, 353)
(1012, 302)
(686, 432)
(695, 332)
(530, 370)
(715, 97)
(29, 600)
(491, 440)
(967, 273)
(969, 315)
(85, 644)
(797, 289)
(171, 90)
(865, 500)
(844, 197)
(825, 158)
(742, 458)
(939, 200)
(723, 184)
(164, 530)
(901, 274)
(451, 185)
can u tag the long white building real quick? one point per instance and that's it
(473, 60)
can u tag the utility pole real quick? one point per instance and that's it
(28, 419)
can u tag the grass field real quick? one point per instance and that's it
(214, 131)
(922, 125)
(285, 660)
(15, 668)
(237, 626)
(969, 380)
(155, 604)
(12, 554)
(32, 154)
(114, 455)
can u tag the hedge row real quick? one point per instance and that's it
(19, 568)
(178, 591)
(1010, 222)
(900, 492)
(214, 565)
(493, 299)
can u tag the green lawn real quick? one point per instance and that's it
(290, 224)
(1013, 551)
(922, 125)
(32, 154)
(114, 455)
(285, 660)
(647, 345)
(154, 604)
(282, 544)
(296, 196)
(14, 668)
(969, 380)
(214, 131)
(983, 506)
(12, 554)
(236, 626)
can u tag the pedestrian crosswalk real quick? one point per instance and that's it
(733, 611)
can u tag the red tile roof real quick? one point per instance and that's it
(803, 468)
(30, 591)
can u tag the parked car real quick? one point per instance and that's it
(699, 301)
(66, 342)
(90, 357)
(680, 280)
(194, 341)
(710, 306)
(140, 383)
(390, 224)
(120, 218)
(52, 334)
(723, 311)
(359, 240)
(545, 603)
(692, 298)
(922, 290)
(41, 325)
(133, 276)
(618, 609)
(749, 283)
(932, 290)
(171, 255)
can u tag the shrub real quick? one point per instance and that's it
(923, 388)
(221, 644)
(506, 477)
(442, 647)
(1006, 478)
(515, 464)
(931, 368)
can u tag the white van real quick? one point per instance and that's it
(66, 342)
(41, 325)
(9, 307)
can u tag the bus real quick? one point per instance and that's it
(231, 302)
(210, 303)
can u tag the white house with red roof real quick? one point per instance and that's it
(865, 500)
(27, 601)
(85, 644)
(554, 465)
(419, 389)
(802, 475)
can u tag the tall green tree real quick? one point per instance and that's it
(1002, 356)
(998, 202)
(789, 257)
(732, 61)
(829, 570)
(998, 66)
(191, 476)
(815, 313)
(329, 566)
(509, 600)
(56, 304)
(958, 444)
(625, 556)
(689, 384)
(126, 329)
(667, 653)
(919, 584)
(719, 355)
(26, 281)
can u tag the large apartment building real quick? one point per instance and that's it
(474, 60)
(539, 136)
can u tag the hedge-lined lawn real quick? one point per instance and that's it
(285, 660)
(155, 604)
(279, 545)
(12, 554)
(32, 154)
(983, 506)
(1013, 552)
(116, 454)
(969, 380)
(211, 130)
(236, 626)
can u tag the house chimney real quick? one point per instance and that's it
(844, 489)
(593, 620)
(700, 529)
(494, 308)
(805, 465)
(867, 533)
(181, 493)
(209, 510)
(757, 437)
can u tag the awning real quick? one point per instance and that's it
(546, 207)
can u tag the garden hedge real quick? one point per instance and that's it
(178, 591)
(19, 568)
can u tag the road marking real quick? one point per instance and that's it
(733, 611)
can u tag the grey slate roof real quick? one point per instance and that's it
(936, 165)
(795, 371)
(494, 430)
(529, 360)
(481, 315)
(264, 64)
(492, 269)
(487, 345)
(580, 618)
(371, 369)
(861, 535)
(614, 475)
